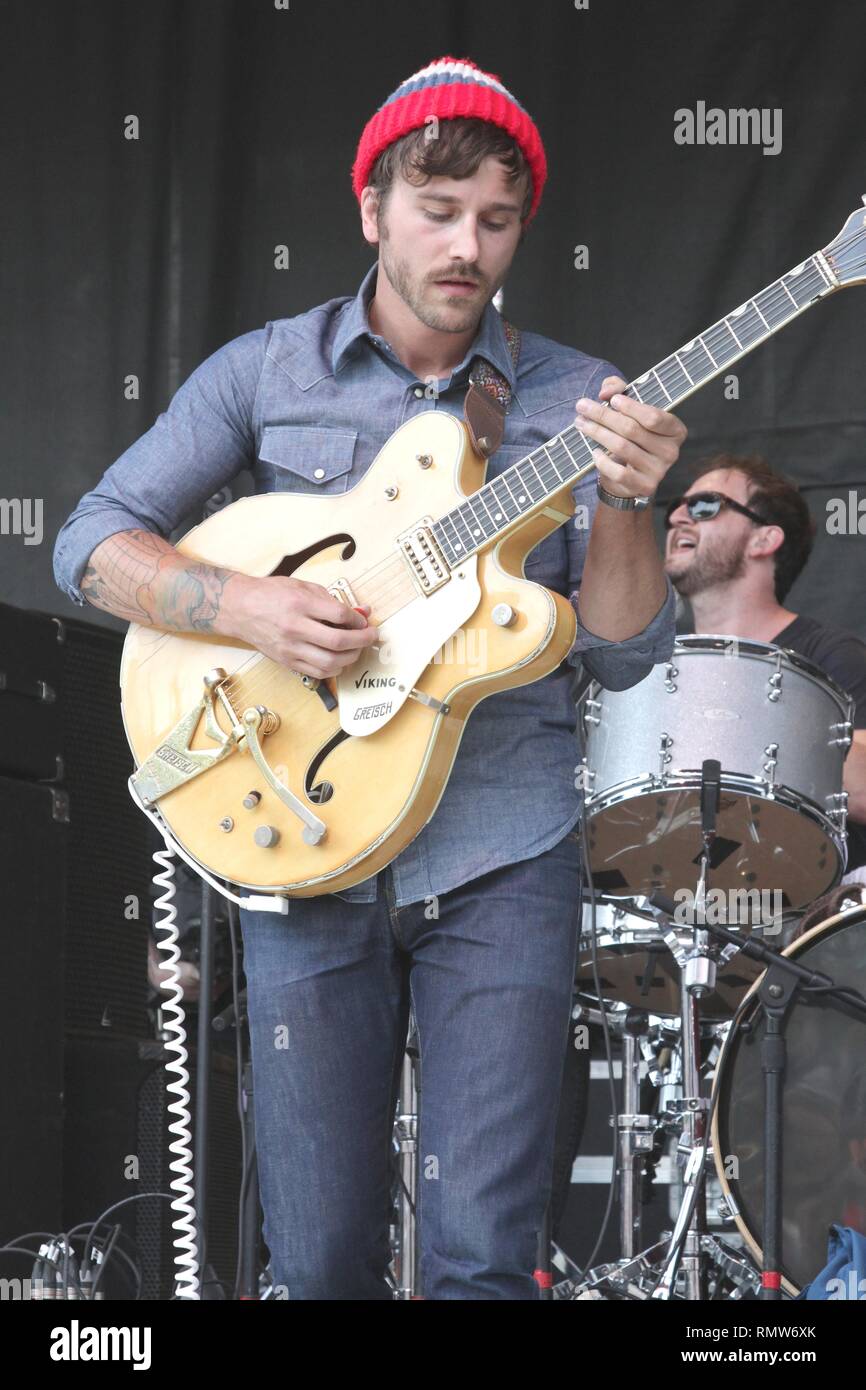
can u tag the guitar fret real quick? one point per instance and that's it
(751, 324)
(503, 478)
(674, 372)
(456, 545)
(661, 384)
(470, 526)
(788, 293)
(479, 495)
(702, 371)
(571, 457)
(442, 540)
(724, 341)
(760, 315)
(707, 351)
(736, 339)
(683, 367)
(538, 476)
(553, 463)
(503, 501)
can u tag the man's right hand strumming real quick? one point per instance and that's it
(142, 578)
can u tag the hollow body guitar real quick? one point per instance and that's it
(371, 768)
(285, 785)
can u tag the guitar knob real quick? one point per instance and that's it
(251, 800)
(266, 836)
(504, 615)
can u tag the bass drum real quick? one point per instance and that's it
(824, 1108)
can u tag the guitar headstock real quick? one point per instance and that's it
(847, 252)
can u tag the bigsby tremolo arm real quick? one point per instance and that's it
(254, 718)
(174, 762)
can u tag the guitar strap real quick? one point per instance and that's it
(489, 397)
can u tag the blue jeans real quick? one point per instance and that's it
(329, 989)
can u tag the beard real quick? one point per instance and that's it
(710, 568)
(455, 316)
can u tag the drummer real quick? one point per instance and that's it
(736, 541)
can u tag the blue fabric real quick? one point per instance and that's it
(488, 969)
(844, 1275)
(307, 403)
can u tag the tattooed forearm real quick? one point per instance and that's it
(191, 599)
(140, 577)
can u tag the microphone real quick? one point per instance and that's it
(711, 780)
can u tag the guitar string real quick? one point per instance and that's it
(392, 569)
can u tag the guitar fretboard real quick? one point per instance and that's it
(525, 487)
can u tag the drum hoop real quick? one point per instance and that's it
(715, 642)
(819, 929)
(743, 782)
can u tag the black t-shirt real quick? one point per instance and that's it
(843, 657)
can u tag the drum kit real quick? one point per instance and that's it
(714, 821)
(714, 831)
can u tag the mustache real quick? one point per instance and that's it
(459, 275)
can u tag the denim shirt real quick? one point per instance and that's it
(306, 403)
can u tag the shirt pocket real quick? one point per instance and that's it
(308, 458)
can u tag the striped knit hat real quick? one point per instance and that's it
(448, 88)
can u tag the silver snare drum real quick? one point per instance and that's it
(780, 729)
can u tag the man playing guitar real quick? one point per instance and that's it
(475, 922)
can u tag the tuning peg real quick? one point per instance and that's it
(863, 197)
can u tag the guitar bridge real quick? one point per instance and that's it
(427, 564)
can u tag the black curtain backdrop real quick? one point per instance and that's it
(142, 256)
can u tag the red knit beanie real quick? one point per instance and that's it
(447, 88)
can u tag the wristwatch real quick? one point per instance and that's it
(622, 504)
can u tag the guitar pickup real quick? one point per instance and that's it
(427, 564)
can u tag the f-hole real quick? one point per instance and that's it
(290, 563)
(317, 792)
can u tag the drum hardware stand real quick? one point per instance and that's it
(689, 1249)
(405, 1232)
(636, 1275)
(635, 1138)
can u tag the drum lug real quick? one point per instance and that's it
(844, 734)
(665, 742)
(770, 753)
(590, 706)
(727, 1208)
(837, 809)
(775, 683)
(670, 672)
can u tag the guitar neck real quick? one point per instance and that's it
(524, 488)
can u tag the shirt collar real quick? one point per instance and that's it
(489, 342)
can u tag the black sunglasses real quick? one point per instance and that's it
(703, 506)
